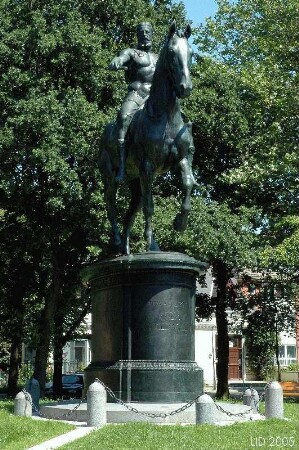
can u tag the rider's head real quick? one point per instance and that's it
(144, 36)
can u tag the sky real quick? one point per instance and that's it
(198, 10)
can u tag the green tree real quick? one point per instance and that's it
(55, 96)
(264, 67)
(50, 126)
(245, 116)
(260, 347)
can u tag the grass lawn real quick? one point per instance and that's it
(267, 434)
(18, 433)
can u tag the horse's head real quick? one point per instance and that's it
(177, 59)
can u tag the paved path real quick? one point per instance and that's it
(66, 438)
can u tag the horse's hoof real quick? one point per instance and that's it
(180, 223)
(154, 247)
(126, 250)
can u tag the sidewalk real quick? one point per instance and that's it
(58, 441)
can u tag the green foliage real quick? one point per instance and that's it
(245, 114)
(213, 232)
(220, 126)
(50, 57)
(3, 381)
(294, 367)
(260, 347)
(4, 354)
(205, 307)
(282, 245)
(262, 66)
(25, 373)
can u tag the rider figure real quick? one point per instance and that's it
(139, 65)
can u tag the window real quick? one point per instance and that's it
(287, 354)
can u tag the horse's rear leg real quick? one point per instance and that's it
(146, 179)
(134, 206)
(181, 219)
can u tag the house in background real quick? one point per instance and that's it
(206, 346)
(206, 338)
(76, 353)
(206, 352)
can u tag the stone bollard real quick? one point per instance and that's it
(274, 400)
(96, 405)
(23, 404)
(251, 398)
(32, 386)
(205, 410)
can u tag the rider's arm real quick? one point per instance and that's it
(120, 62)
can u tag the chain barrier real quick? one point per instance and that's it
(262, 397)
(151, 415)
(171, 413)
(61, 417)
(230, 414)
(256, 402)
(252, 399)
(148, 414)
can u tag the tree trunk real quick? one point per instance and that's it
(16, 333)
(59, 343)
(14, 364)
(221, 273)
(57, 375)
(61, 338)
(42, 351)
(45, 335)
(277, 351)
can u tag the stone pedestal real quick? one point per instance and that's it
(143, 324)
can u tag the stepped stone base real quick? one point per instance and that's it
(119, 414)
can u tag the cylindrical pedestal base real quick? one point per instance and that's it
(143, 324)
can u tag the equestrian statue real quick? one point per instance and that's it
(149, 136)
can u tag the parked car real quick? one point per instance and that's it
(72, 386)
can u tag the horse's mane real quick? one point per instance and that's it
(160, 65)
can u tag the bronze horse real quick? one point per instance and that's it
(157, 141)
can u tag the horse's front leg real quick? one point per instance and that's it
(146, 180)
(191, 151)
(181, 219)
(110, 189)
